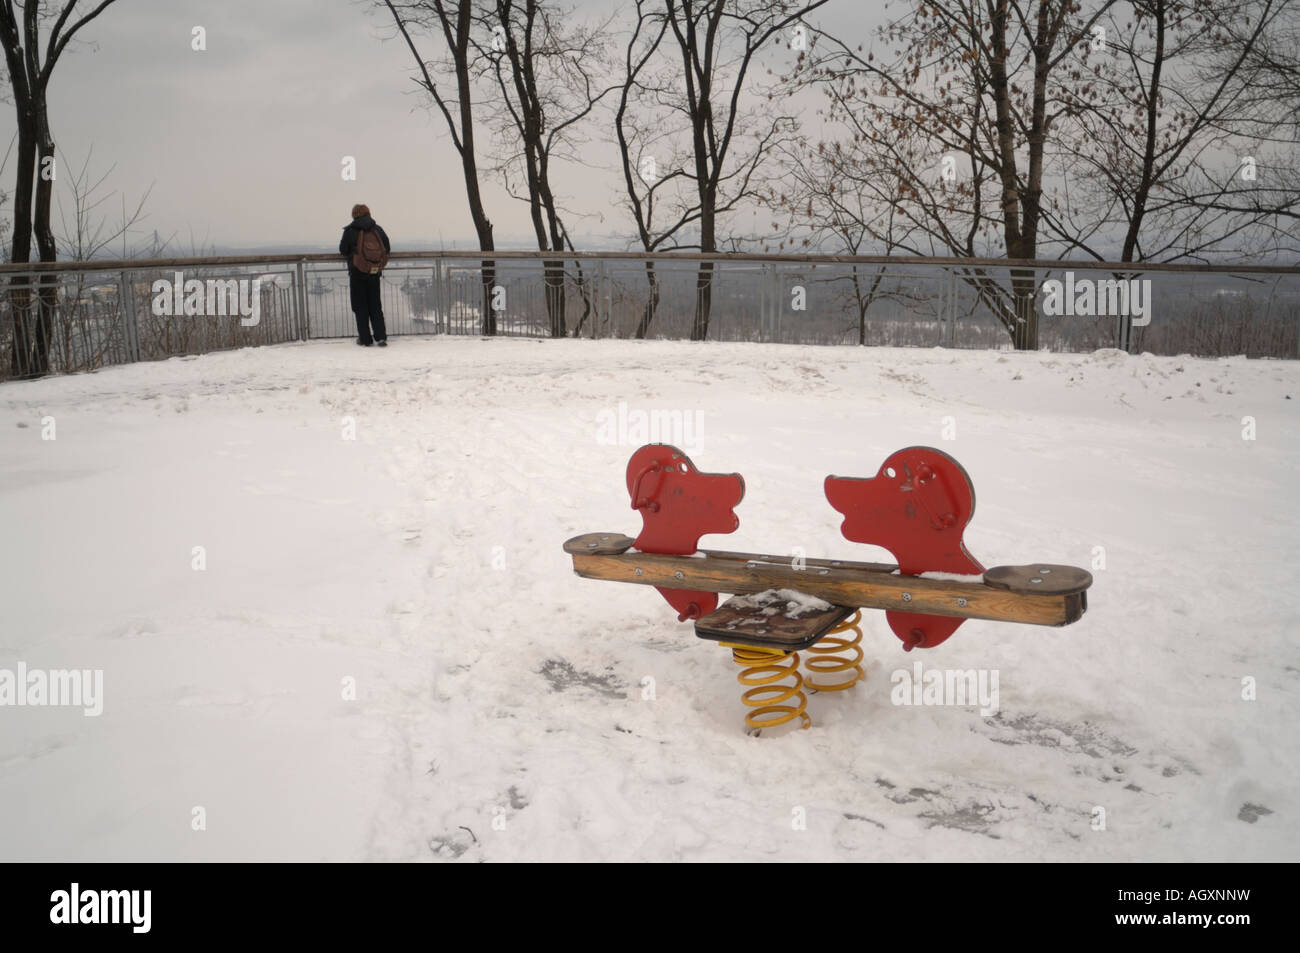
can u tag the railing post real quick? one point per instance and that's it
(597, 294)
(295, 312)
(774, 302)
(441, 309)
(950, 306)
(300, 302)
(126, 307)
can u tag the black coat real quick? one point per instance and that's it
(352, 233)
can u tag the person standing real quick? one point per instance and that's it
(365, 245)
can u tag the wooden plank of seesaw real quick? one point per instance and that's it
(613, 544)
(807, 561)
(837, 585)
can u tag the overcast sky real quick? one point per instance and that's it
(243, 142)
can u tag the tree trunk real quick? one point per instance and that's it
(651, 304)
(28, 79)
(488, 274)
(586, 299)
(1024, 287)
(703, 301)
(482, 224)
(20, 291)
(47, 296)
(468, 158)
(704, 277)
(862, 308)
(555, 296)
(488, 266)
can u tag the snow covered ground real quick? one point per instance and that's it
(387, 655)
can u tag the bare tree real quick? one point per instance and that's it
(650, 160)
(545, 66)
(715, 43)
(452, 22)
(85, 231)
(1188, 149)
(1143, 130)
(30, 70)
(982, 81)
(834, 206)
(706, 33)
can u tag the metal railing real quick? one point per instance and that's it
(75, 316)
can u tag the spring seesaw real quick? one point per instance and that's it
(916, 507)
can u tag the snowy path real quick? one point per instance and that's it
(422, 560)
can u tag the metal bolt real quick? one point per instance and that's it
(762, 631)
(592, 545)
(961, 602)
(639, 573)
(823, 572)
(1044, 572)
(750, 565)
(907, 597)
(678, 575)
(1035, 579)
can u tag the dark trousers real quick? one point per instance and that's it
(367, 307)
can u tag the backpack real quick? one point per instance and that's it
(370, 256)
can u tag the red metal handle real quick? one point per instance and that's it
(637, 501)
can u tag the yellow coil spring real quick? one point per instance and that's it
(772, 703)
(834, 655)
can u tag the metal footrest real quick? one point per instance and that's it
(782, 619)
